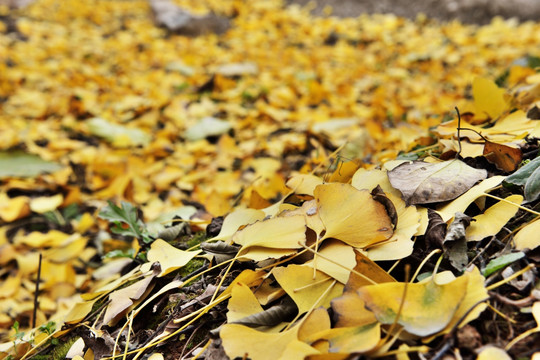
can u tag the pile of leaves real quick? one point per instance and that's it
(302, 189)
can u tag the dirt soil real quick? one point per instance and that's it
(468, 11)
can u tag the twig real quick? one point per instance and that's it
(36, 293)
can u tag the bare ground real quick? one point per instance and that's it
(468, 11)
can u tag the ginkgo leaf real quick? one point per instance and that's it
(473, 303)
(123, 299)
(235, 220)
(306, 291)
(241, 341)
(242, 303)
(527, 237)
(400, 244)
(169, 257)
(493, 219)
(334, 249)
(461, 203)
(352, 215)
(315, 322)
(275, 233)
(421, 182)
(304, 184)
(43, 204)
(488, 98)
(349, 309)
(79, 311)
(427, 308)
(492, 353)
(354, 339)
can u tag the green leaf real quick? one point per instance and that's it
(129, 253)
(532, 186)
(126, 214)
(501, 262)
(118, 134)
(21, 164)
(520, 177)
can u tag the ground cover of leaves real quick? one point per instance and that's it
(293, 188)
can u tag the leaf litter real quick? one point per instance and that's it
(290, 143)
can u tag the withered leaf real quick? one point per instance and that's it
(379, 196)
(422, 183)
(436, 230)
(455, 243)
(504, 157)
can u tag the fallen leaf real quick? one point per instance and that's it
(505, 157)
(427, 309)
(353, 339)
(235, 220)
(242, 303)
(455, 243)
(208, 126)
(307, 291)
(124, 299)
(169, 257)
(120, 136)
(421, 182)
(461, 203)
(501, 262)
(352, 215)
(520, 177)
(43, 204)
(488, 98)
(492, 353)
(527, 237)
(275, 233)
(20, 164)
(334, 249)
(493, 219)
(241, 341)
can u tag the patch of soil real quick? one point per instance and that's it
(467, 11)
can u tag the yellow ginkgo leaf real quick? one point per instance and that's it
(275, 233)
(527, 237)
(427, 308)
(488, 98)
(242, 303)
(169, 257)
(475, 293)
(369, 179)
(400, 245)
(461, 203)
(304, 184)
(244, 342)
(493, 219)
(310, 211)
(334, 249)
(260, 253)
(43, 204)
(492, 353)
(352, 215)
(306, 291)
(315, 322)
(235, 220)
(354, 339)
(124, 299)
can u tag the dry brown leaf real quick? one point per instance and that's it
(422, 183)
